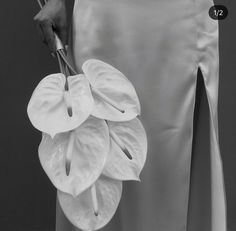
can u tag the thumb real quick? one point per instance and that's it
(48, 34)
(62, 34)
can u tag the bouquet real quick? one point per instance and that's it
(92, 139)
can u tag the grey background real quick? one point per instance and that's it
(27, 198)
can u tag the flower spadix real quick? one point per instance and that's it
(128, 150)
(74, 160)
(85, 213)
(114, 95)
(53, 108)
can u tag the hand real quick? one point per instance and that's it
(52, 18)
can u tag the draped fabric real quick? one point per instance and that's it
(160, 45)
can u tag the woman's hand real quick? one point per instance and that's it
(50, 19)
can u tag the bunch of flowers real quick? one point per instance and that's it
(92, 139)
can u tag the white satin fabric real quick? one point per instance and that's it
(159, 45)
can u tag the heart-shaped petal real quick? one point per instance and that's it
(88, 156)
(80, 210)
(48, 106)
(110, 84)
(126, 137)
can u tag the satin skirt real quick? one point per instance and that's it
(159, 45)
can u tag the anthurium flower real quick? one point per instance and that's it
(93, 208)
(74, 160)
(128, 150)
(53, 108)
(114, 95)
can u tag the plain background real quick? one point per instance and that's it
(27, 198)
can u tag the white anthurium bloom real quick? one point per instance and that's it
(74, 160)
(128, 150)
(95, 207)
(114, 95)
(53, 109)
(91, 139)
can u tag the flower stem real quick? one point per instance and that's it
(61, 65)
(63, 70)
(40, 4)
(62, 54)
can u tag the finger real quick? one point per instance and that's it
(46, 27)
